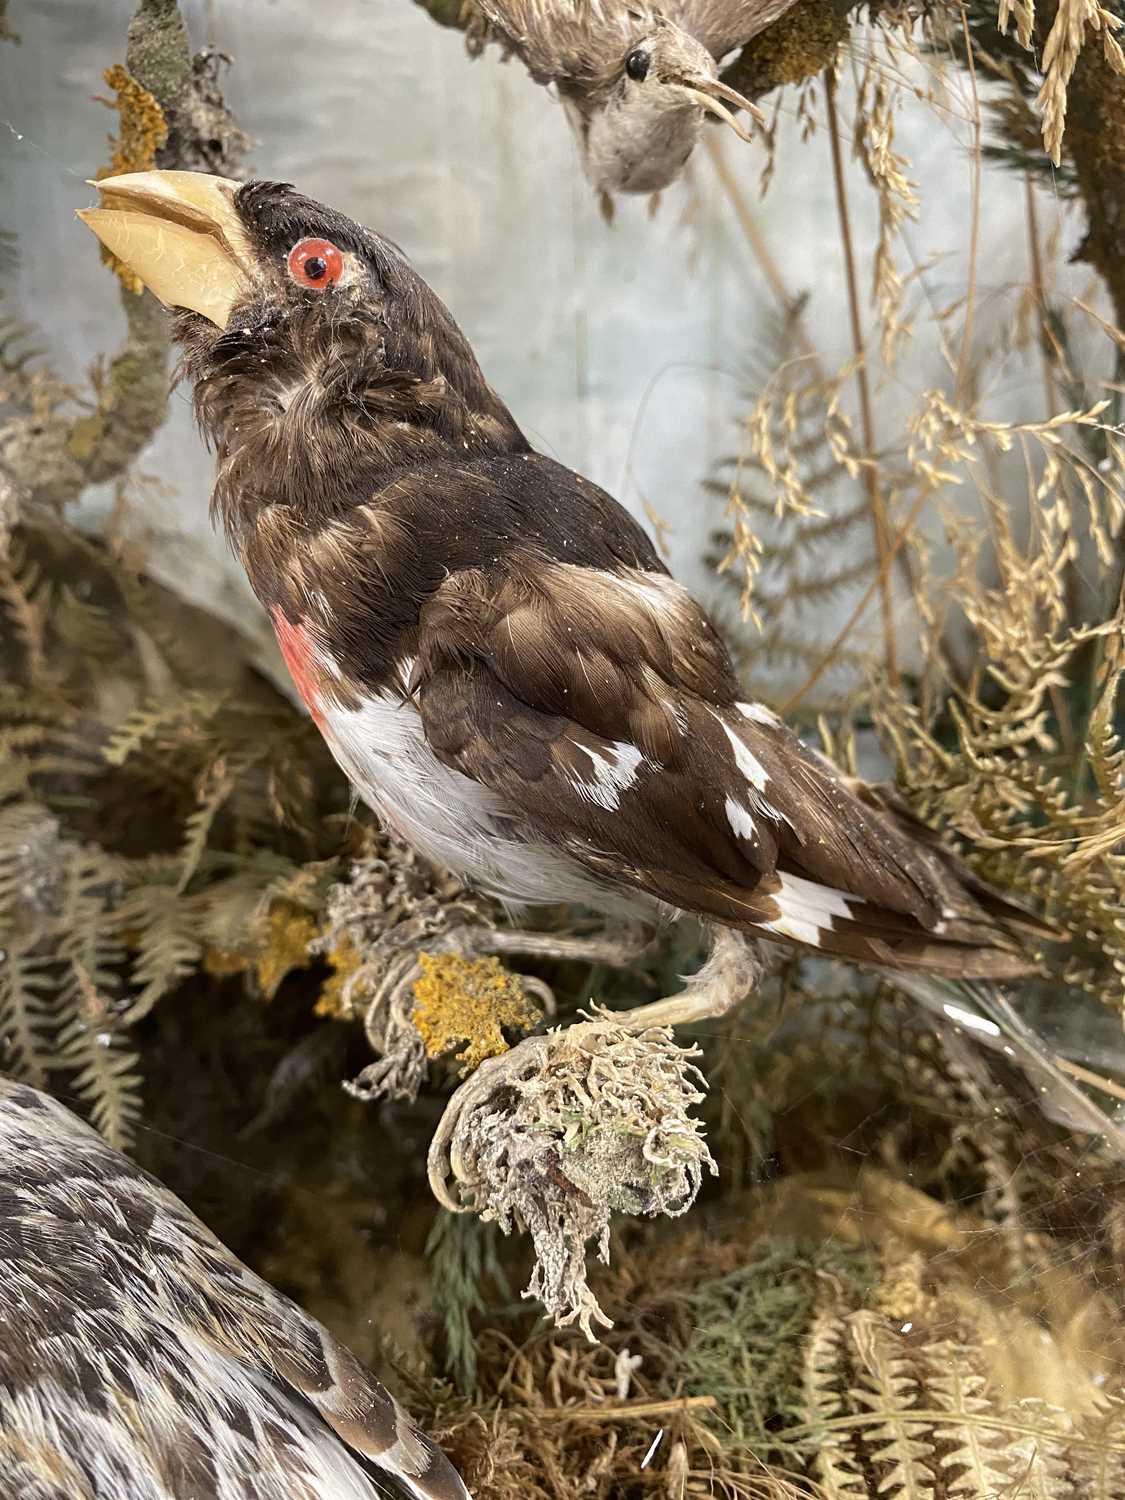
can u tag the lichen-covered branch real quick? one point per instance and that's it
(1095, 143)
(801, 44)
(51, 456)
(171, 115)
(158, 53)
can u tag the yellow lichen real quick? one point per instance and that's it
(461, 1004)
(141, 134)
(287, 934)
(345, 960)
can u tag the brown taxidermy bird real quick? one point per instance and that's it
(637, 80)
(490, 644)
(140, 1360)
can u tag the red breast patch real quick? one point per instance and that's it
(301, 658)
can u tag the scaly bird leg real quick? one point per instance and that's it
(617, 952)
(734, 967)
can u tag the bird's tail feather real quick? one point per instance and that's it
(981, 1008)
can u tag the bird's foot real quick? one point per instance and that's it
(399, 1069)
(563, 1131)
(733, 968)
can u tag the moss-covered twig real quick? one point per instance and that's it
(171, 116)
(455, 13)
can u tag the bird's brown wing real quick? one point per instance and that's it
(564, 41)
(722, 25)
(601, 706)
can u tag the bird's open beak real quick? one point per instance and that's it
(708, 91)
(180, 234)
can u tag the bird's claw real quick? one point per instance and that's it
(397, 1075)
(446, 1162)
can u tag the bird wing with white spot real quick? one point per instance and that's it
(603, 710)
(581, 696)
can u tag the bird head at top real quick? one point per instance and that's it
(315, 349)
(642, 121)
(209, 245)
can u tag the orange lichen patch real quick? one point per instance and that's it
(287, 933)
(141, 134)
(345, 960)
(461, 1004)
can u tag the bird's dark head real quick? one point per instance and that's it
(321, 360)
(646, 116)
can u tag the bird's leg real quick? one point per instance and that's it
(617, 952)
(733, 968)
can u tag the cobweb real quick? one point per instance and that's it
(908, 1280)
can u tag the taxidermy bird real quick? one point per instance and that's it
(140, 1360)
(636, 80)
(490, 644)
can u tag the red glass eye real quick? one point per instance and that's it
(315, 263)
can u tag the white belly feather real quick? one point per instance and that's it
(454, 821)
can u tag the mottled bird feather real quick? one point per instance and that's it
(141, 1360)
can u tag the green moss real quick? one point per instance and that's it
(800, 45)
(750, 1329)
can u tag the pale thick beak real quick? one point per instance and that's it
(180, 234)
(708, 91)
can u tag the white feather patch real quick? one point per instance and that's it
(807, 909)
(742, 824)
(758, 713)
(746, 761)
(971, 1021)
(612, 775)
(451, 819)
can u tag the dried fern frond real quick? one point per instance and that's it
(137, 828)
(1021, 759)
(794, 538)
(106, 1072)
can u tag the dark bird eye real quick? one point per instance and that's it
(315, 263)
(637, 64)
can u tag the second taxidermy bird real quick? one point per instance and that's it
(490, 644)
(141, 1360)
(636, 80)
